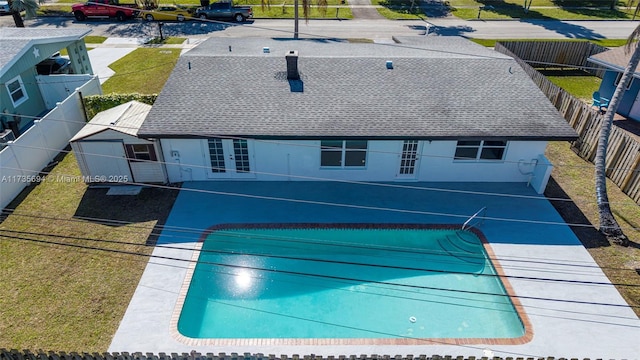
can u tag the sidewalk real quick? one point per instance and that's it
(114, 48)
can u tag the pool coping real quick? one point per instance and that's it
(175, 316)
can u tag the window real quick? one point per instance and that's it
(216, 155)
(241, 154)
(16, 90)
(343, 153)
(141, 152)
(480, 150)
(409, 157)
(619, 77)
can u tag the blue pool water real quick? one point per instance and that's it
(356, 282)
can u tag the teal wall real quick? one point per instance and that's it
(607, 88)
(25, 67)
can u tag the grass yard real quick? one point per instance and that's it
(277, 9)
(65, 298)
(398, 9)
(144, 71)
(517, 12)
(555, 9)
(579, 83)
(573, 177)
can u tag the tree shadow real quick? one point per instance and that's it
(589, 236)
(563, 72)
(151, 204)
(601, 8)
(420, 8)
(536, 18)
(431, 29)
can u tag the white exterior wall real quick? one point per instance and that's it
(137, 171)
(188, 159)
(36, 147)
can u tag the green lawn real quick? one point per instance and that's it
(275, 10)
(143, 71)
(398, 9)
(579, 83)
(71, 297)
(562, 10)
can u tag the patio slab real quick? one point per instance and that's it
(574, 311)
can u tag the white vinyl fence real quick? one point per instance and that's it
(22, 160)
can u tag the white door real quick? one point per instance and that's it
(230, 158)
(409, 160)
(106, 161)
(635, 108)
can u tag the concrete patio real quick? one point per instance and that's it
(573, 310)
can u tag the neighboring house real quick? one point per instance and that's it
(423, 109)
(40, 100)
(615, 61)
(108, 150)
(27, 54)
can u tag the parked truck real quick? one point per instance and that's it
(109, 9)
(224, 10)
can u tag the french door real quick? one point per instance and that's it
(409, 160)
(230, 158)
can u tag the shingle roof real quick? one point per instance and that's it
(616, 58)
(438, 88)
(14, 41)
(125, 118)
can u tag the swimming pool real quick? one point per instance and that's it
(387, 283)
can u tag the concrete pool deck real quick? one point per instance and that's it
(573, 310)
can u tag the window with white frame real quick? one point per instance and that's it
(216, 155)
(17, 92)
(480, 150)
(343, 153)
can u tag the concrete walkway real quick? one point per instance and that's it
(103, 56)
(573, 309)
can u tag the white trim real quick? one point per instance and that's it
(25, 96)
(479, 148)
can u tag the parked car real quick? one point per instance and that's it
(224, 11)
(166, 12)
(55, 64)
(105, 9)
(4, 7)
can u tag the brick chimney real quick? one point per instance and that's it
(292, 65)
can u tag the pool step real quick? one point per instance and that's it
(472, 255)
(468, 241)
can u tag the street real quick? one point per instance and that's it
(379, 30)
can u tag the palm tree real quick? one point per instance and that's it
(306, 5)
(306, 11)
(608, 224)
(28, 6)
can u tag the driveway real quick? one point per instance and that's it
(573, 309)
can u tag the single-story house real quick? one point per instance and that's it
(44, 74)
(615, 61)
(33, 75)
(108, 149)
(422, 109)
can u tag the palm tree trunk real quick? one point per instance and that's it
(608, 224)
(295, 17)
(17, 18)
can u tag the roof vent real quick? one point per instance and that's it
(292, 65)
(266, 50)
(389, 64)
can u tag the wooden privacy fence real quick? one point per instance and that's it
(41, 355)
(623, 151)
(547, 53)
